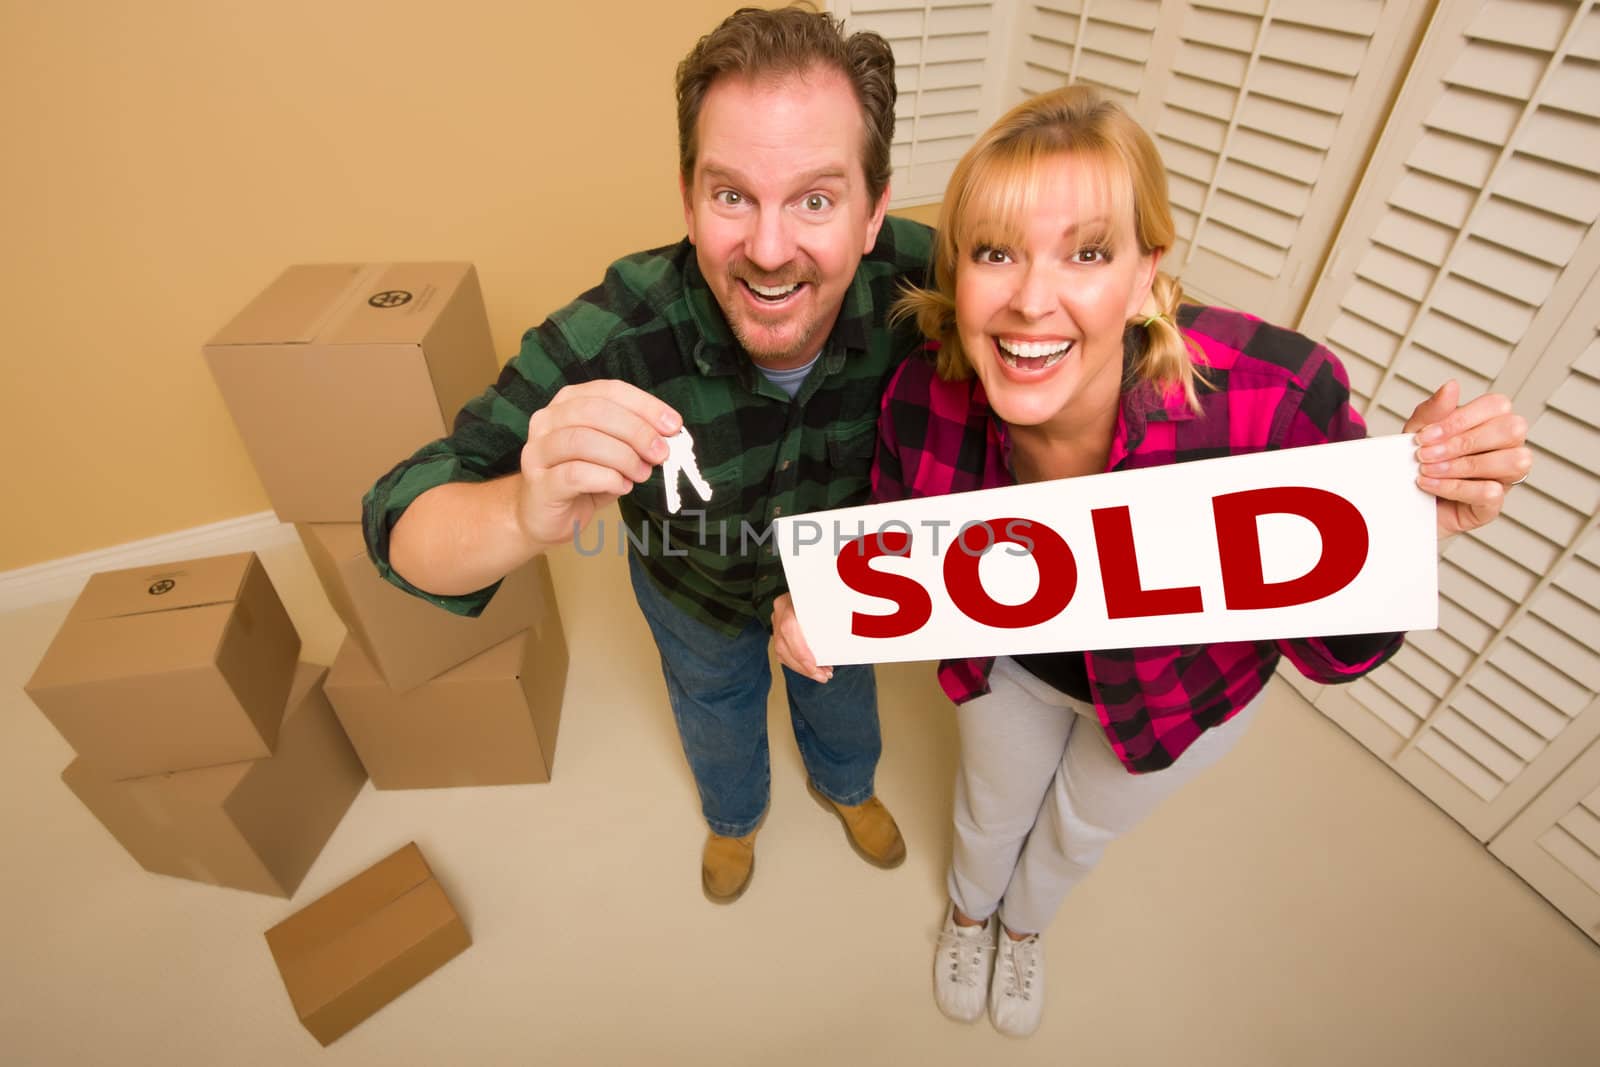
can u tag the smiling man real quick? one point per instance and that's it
(764, 333)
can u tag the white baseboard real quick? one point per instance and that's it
(63, 579)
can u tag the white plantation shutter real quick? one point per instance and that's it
(1472, 217)
(1555, 843)
(1263, 111)
(1471, 251)
(949, 68)
(1264, 123)
(1107, 43)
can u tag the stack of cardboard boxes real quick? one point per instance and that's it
(204, 746)
(333, 374)
(208, 750)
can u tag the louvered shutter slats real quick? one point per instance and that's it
(1476, 117)
(1274, 155)
(1553, 645)
(1523, 606)
(1388, 710)
(1584, 826)
(1497, 69)
(1525, 733)
(1103, 42)
(1515, 541)
(1356, 17)
(1562, 696)
(1497, 268)
(1507, 577)
(1554, 843)
(1481, 307)
(1477, 728)
(1572, 90)
(1481, 600)
(1443, 649)
(945, 60)
(1285, 136)
(1449, 746)
(1528, 25)
(1264, 88)
(1253, 185)
(1536, 234)
(1416, 665)
(1407, 277)
(1562, 190)
(1573, 853)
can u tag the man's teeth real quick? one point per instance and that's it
(773, 292)
(1049, 352)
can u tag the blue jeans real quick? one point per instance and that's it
(718, 689)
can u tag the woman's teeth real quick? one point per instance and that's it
(1032, 355)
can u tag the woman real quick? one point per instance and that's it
(1063, 351)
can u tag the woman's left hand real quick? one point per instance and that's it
(1470, 455)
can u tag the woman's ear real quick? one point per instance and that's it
(1141, 300)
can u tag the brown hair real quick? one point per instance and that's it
(757, 43)
(993, 186)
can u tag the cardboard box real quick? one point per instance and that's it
(339, 371)
(256, 825)
(170, 667)
(407, 639)
(490, 721)
(348, 954)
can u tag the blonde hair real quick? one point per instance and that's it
(993, 187)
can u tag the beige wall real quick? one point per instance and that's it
(162, 161)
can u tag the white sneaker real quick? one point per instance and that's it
(1016, 999)
(961, 967)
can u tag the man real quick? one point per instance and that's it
(764, 334)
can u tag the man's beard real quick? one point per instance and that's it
(749, 329)
(750, 339)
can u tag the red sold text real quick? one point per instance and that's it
(1344, 552)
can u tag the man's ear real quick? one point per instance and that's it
(875, 222)
(688, 207)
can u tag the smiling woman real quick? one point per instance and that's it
(1041, 305)
(1064, 352)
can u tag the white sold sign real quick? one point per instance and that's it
(1307, 542)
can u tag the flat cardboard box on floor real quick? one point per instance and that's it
(338, 371)
(490, 721)
(349, 953)
(256, 825)
(407, 639)
(170, 667)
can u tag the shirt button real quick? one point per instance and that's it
(777, 511)
(786, 464)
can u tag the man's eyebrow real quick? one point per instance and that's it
(730, 174)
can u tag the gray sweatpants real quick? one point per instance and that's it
(1040, 794)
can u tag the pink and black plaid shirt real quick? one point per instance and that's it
(1273, 389)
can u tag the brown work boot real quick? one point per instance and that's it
(870, 828)
(726, 867)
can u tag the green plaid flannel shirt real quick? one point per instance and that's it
(654, 322)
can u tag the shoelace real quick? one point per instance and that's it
(968, 955)
(1018, 984)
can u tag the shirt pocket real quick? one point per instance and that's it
(850, 450)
